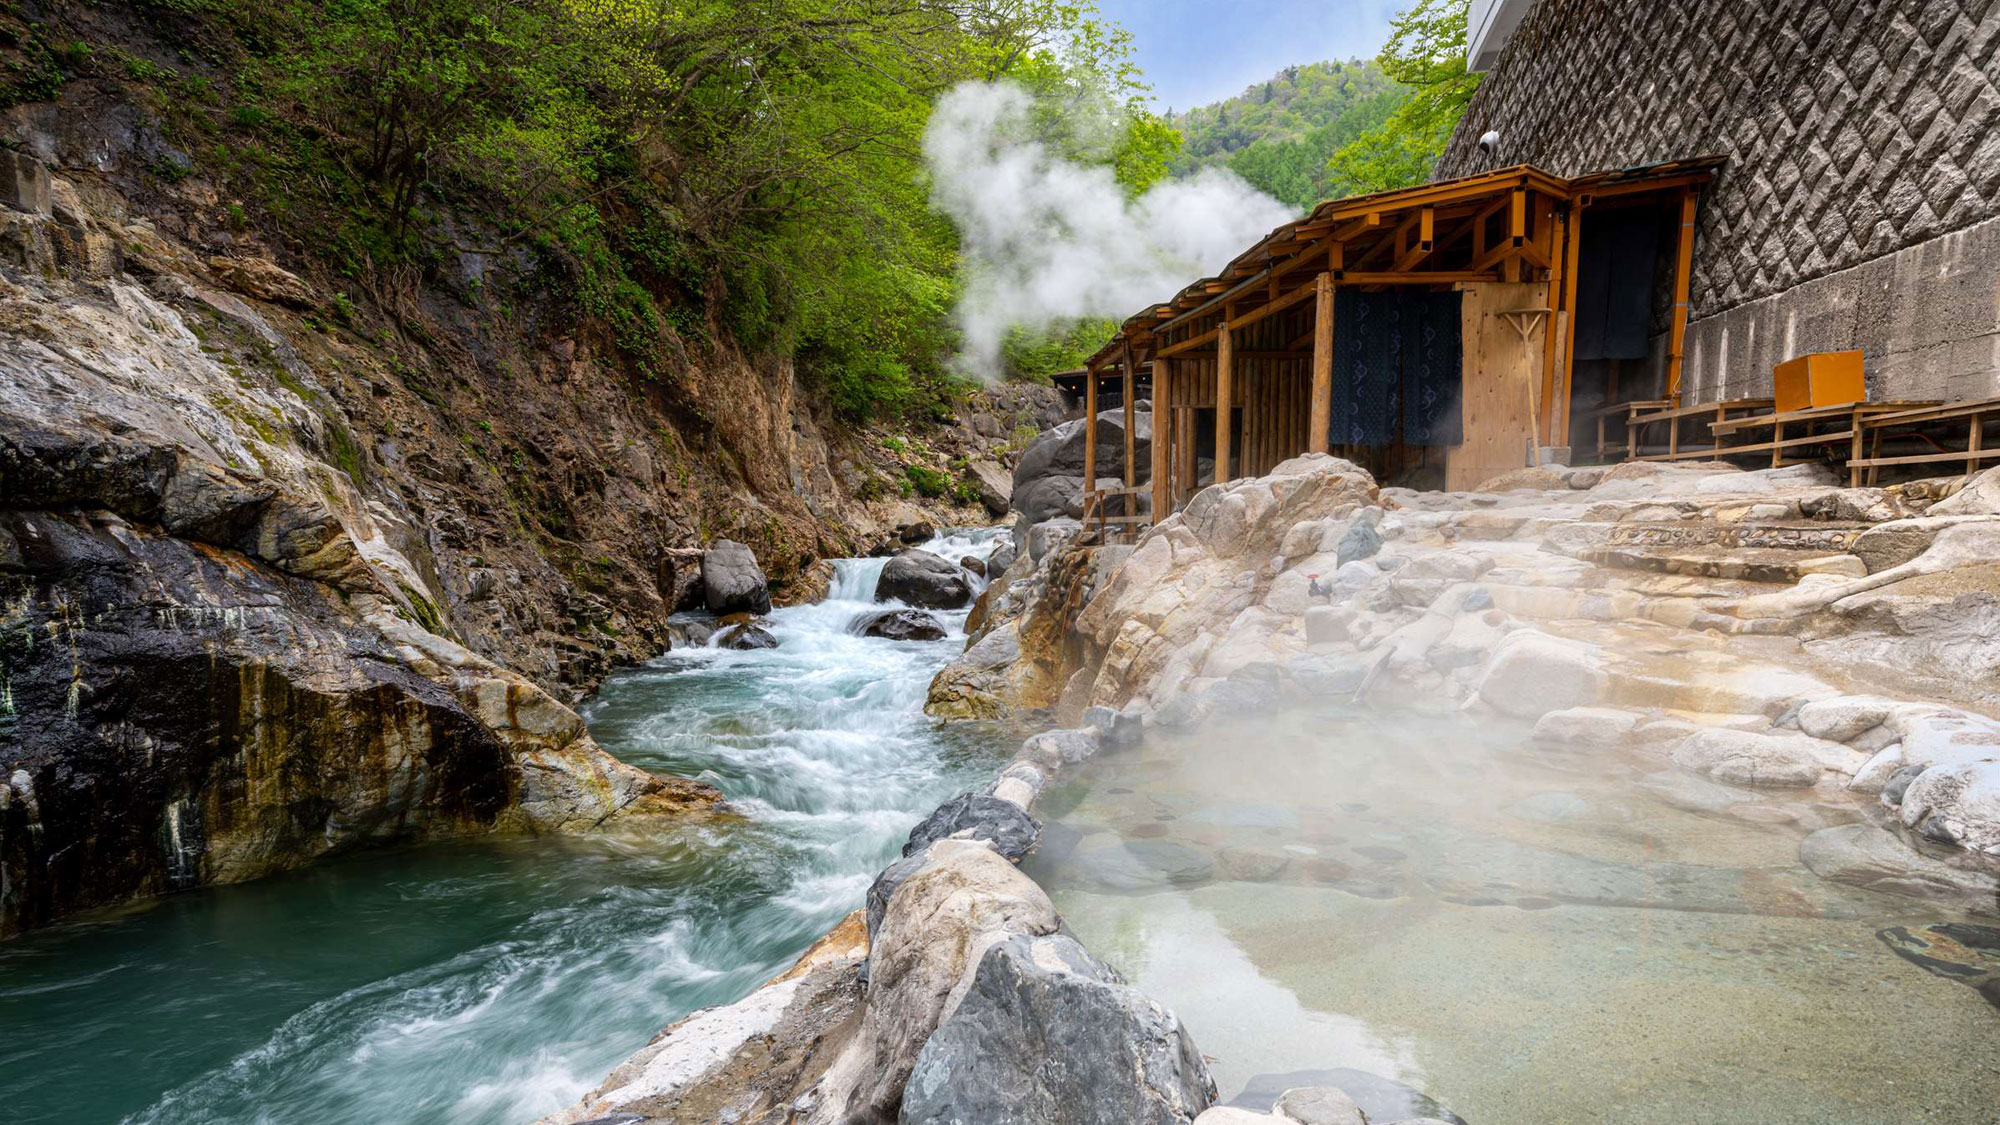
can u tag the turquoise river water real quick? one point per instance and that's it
(488, 982)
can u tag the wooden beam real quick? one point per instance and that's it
(1225, 431)
(1187, 345)
(1683, 268)
(1358, 227)
(1266, 309)
(1419, 277)
(1322, 365)
(1426, 230)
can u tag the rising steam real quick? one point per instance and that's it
(1048, 240)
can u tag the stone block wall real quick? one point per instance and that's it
(1860, 205)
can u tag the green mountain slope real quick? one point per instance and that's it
(1279, 134)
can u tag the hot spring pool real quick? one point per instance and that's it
(1527, 934)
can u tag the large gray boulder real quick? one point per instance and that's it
(924, 580)
(1059, 451)
(977, 816)
(1049, 1034)
(731, 580)
(948, 905)
(995, 485)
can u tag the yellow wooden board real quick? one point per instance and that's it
(1500, 374)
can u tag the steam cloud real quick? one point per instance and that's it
(1048, 240)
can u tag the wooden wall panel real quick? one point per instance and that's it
(1501, 373)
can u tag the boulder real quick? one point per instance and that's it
(1740, 757)
(1059, 451)
(924, 580)
(1979, 497)
(1957, 805)
(1319, 1105)
(973, 564)
(922, 531)
(731, 580)
(1599, 727)
(1844, 717)
(899, 625)
(1898, 541)
(993, 483)
(1051, 535)
(1863, 855)
(1533, 673)
(1057, 748)
(745, 636)
(1116, 730)
(937, 923)
(977, 816)
(1361, 541)
(1048, 1033)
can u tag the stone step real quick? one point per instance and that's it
(1772, 565)
(1825, 537)
(1556, 603)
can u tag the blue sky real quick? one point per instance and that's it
(1197, 53)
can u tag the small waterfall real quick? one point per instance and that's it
(854, 579)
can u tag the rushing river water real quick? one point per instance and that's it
(488, 982)
(1533, 935)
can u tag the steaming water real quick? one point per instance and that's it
(494, 981)
(1529, 935)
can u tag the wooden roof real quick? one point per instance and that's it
(1434, 232)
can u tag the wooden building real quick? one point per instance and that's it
(1428, 333)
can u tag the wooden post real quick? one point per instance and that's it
(1559, 385)
(1683, 265)
(1131, 469)
(1322, 365)
(1089, 431)
(1162, 429)
(1225, 430)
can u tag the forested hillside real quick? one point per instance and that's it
(1281, 133)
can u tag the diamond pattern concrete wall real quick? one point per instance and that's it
(1855, 131)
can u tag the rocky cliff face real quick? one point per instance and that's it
(293, 563)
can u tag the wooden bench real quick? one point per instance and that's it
(1604, 414)
(1975, 413)
(1710, 412)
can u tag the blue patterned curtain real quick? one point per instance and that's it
(1396, 368)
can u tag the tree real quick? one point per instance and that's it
(1426, 52)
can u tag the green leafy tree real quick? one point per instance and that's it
(1425, 52)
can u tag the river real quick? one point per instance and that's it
(487, 982)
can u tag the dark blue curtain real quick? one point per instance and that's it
(1396, 368)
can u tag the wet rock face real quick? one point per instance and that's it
(1034, 1000)
(180, 718)
(977, 816)
(745, 636)
(924, 580)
